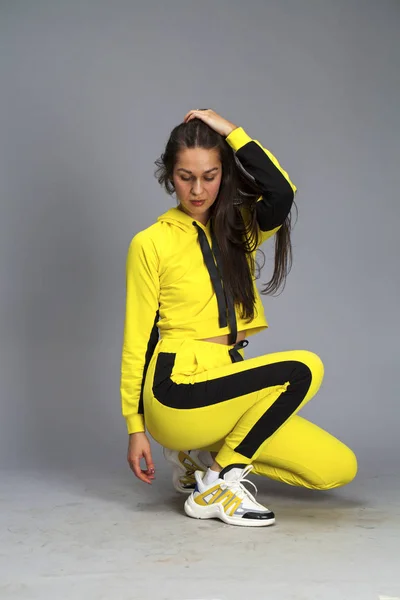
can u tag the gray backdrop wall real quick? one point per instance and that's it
(89, 93)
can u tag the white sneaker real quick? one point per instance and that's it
(185, 463)
(228, 499)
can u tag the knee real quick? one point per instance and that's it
(350, 467)
(314, 366)
(342, 471)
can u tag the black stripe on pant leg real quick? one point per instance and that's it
(221, 389)
(283, 407)
(151, 344)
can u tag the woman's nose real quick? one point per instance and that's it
(197, 187)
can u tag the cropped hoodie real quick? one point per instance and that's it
(174, 279)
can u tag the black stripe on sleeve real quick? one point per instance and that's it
(277, 193)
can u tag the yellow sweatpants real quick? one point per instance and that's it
(195, 397)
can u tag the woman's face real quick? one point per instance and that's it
(197, 176)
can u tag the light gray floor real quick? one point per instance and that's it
(83, 535)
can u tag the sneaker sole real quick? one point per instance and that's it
(176, 483)
(216, 511)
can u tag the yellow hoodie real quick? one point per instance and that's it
(173, 282)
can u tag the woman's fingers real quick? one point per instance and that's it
(140, 473)
(138, 449)
(149, 463)
(188, 116)
(212, 119)
(192, 113)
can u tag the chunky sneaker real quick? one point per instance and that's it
(185, 463)
(228, 499)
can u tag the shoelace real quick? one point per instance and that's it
(237, 486)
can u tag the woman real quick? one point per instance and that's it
(191, 278)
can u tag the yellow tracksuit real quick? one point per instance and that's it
(194, 394)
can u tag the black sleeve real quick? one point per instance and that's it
(276, 191)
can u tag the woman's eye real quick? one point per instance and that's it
(205, 178)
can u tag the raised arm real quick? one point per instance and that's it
(277, 190)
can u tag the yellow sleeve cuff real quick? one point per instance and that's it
(238, 138)
(135, 423)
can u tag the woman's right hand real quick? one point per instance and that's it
(138, 448)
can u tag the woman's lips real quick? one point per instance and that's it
(197, 202)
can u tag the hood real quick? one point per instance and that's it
(177, 217)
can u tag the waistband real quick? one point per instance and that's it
(173, 345)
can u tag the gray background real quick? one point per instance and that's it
(89, 93)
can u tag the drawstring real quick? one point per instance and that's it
(228, 297)
(215, 278)
(234, 352)
(224, 300)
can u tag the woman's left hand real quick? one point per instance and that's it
(216, 122)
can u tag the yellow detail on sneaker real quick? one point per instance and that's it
(236, 502)
(188, 463)
(187, 479)
(215, 495)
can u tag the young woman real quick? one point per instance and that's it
(191, 279)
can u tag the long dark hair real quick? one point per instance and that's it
(233, 215)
